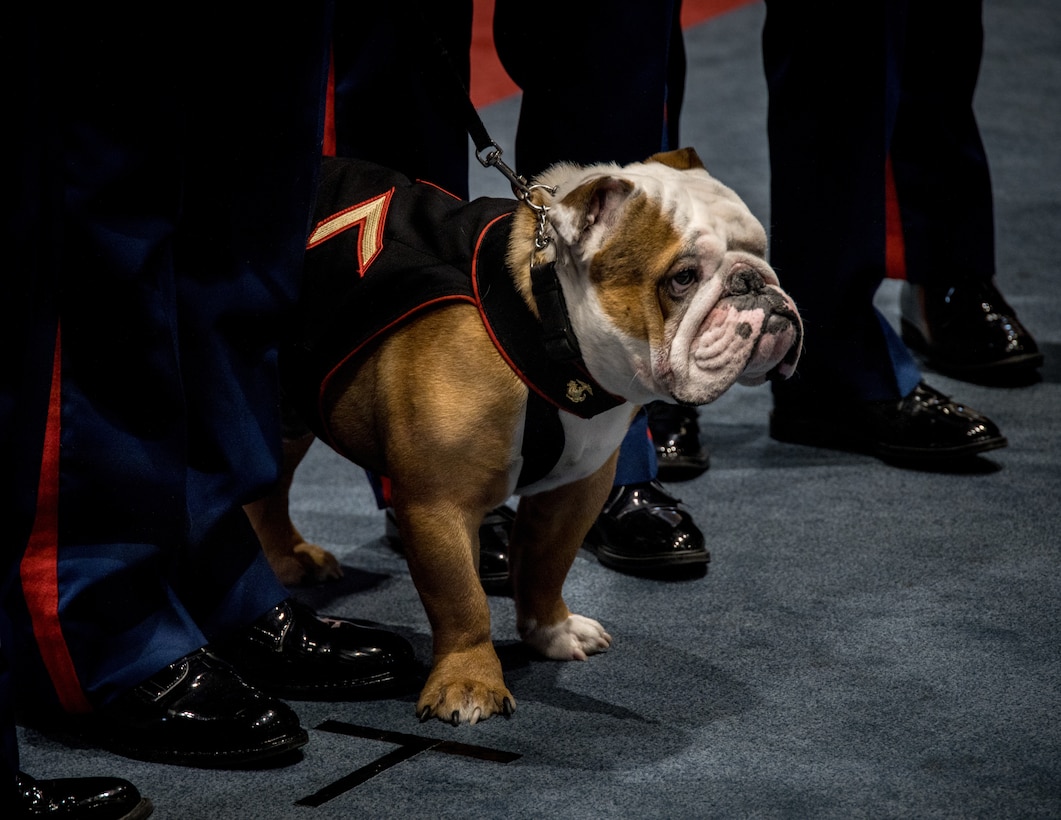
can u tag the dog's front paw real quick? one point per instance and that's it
(458, 690)
(573, 639)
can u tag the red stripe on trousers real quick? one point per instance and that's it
(895, 247)
(39, 568)
(328, 148)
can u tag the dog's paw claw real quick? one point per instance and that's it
(465, 687)
(457, 705)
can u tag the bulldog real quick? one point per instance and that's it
(504, 350)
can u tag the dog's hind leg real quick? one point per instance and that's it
(293, 559)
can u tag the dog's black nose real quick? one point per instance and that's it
(744, 280)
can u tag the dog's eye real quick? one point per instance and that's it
(682, 281)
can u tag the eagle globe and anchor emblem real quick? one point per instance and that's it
(578, 390)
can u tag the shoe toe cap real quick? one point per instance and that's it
(205, 715)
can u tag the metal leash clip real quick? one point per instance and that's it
(522, 191)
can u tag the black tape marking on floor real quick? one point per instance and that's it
(408, 746)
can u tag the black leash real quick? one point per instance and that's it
(487, 151)
(557, 334)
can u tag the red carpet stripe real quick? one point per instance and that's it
(490, 83)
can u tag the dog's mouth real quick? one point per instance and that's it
(767, 320)
(752, 334)
(762, 311)
(782, 320)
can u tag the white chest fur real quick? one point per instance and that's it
(587, 445)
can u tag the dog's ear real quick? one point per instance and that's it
(597, 201)
(682, 159)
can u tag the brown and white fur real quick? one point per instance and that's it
(670, 297)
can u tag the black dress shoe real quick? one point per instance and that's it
(291, 652)
(79, 798)
(493, 547)
(676, 434)
(924, 428)
(198, 712)
(969, 332)
(643, 531)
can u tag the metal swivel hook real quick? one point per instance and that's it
(522, 191)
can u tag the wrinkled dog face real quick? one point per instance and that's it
(670, 294)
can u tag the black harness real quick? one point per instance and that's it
(385, 250)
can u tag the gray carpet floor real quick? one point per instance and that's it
(870, 641)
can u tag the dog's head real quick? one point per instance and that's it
(665, 277)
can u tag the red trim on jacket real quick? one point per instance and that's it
(498, 343)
